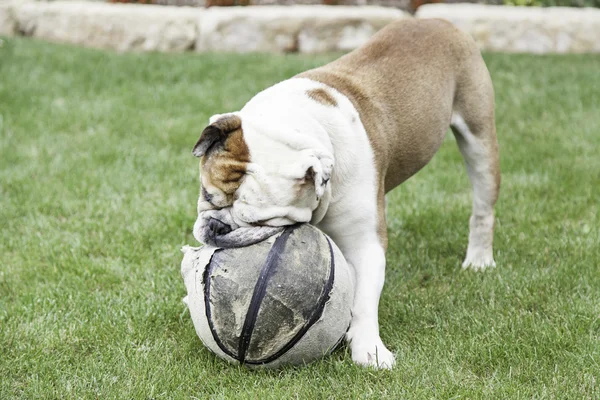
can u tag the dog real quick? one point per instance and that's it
(326, 146)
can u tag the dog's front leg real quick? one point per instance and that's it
(367, 258)
(365, 253)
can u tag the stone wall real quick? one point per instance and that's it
(8, 22)
(401, 4)
(524, 29)
(120, 27)
(405, 5)
(306, 29)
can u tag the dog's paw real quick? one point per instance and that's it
(372, 353)
(478, 261)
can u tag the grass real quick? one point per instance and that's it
(98, 191)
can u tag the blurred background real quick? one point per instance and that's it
(304, 26)
(100, 106)
(407, 5)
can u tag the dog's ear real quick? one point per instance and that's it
(215, 134)
(318, 169)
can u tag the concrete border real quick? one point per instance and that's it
(8, 21)
(120, 27)
(304, 29)
(523, 29)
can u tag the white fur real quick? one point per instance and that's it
(481, 225)
(286, 132)
(284, 141)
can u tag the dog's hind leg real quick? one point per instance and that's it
(474, 128)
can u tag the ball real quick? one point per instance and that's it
(283, 301)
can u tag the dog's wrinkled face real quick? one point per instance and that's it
(224, 160)
(262, 181)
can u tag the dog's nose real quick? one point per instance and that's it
(207, 196)
(218, 228)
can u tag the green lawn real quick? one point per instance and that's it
(98, 190)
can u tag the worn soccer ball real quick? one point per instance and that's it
(283, 301)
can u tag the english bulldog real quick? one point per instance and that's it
(326, 146)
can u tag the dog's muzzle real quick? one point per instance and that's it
(217, 228)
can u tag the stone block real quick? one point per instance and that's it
(121, 27)
(8, 21)
(523, 29)
(307, 29)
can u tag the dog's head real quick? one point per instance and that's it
(267, 176)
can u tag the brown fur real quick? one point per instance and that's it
(322, 96)
(404, 83)
(225, 166)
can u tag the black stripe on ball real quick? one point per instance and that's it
(314, 317)
(268, 269)
(260, 290)
(206, 281)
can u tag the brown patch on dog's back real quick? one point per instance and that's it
(405, 120)
(225, 167)
(322, 96)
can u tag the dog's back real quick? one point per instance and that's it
(403, 84)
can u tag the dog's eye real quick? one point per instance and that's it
(310, 174)
(207, 196)
(233, 177)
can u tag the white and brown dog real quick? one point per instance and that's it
(325, 146)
